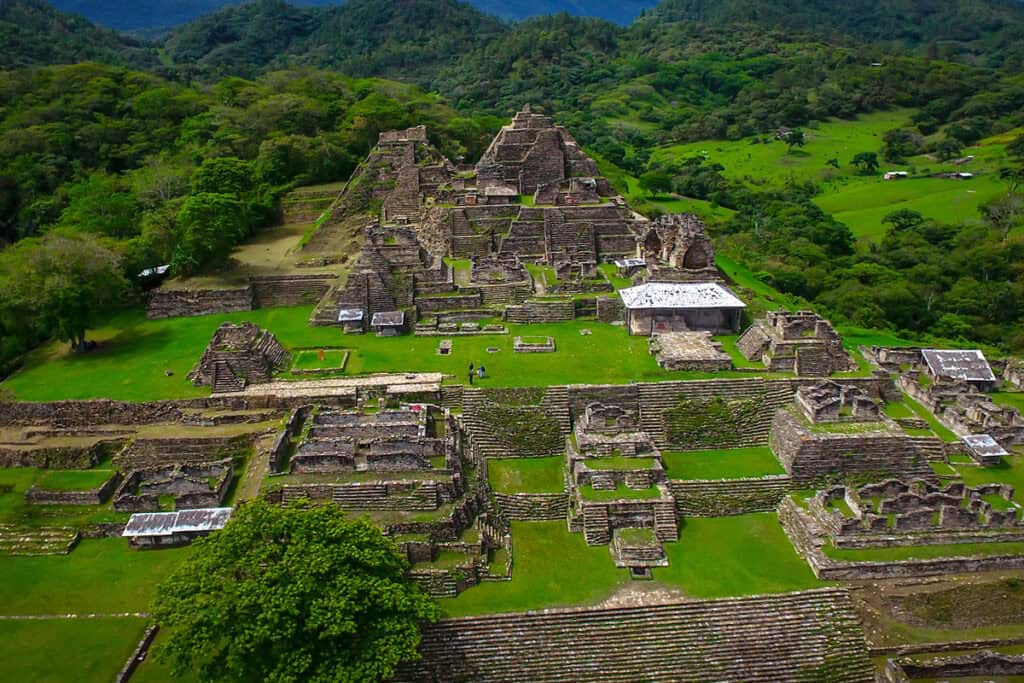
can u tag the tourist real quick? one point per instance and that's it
(482, 372)
(471, 376)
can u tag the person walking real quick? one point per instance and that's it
(470, 374)
(481, 371)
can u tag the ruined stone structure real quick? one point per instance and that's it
(803, 342)
(676, 248)
(833, 430)
(961, 407)
(814, 635)
(689, 351)
(200, 485)
(239, 355)
(983, 663)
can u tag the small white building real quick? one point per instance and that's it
(149, 529)
(960, 365)
(681, 306)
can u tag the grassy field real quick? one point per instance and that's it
(1009, 471)
(527, 475)
(309, 359)
(728, 463)
(551, 568)
(1014, 399)
(134, 353)
(99, 576)
(727, 556)
(72, 480)
(859, 201)
(153, 670)
(14, 509)
(62, 650)
(621, 492)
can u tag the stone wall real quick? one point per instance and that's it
(71, 414)
(810, 636)
(153, 452)
(37, 496)
(810, 457)
(175, 303)
(533, 507)
(60, 457)
(540, 311)
(270, 291)
(796, 524)
(610, 309)
(720, 498)
(529, 422)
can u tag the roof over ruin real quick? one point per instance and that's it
(968, 365)
(182, 521)
(679, 295)
(984, 445)
(349, 315)
(388, 319)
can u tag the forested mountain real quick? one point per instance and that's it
(151, 16)
(33, 32)
(985, 31)
(406, 39)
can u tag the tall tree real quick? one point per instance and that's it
(66, 283)
(291, 594)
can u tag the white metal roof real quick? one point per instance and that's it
(968, 365)
(679, 295)
(168, 523)
(388, 318)
(984, 445)
(347, 315)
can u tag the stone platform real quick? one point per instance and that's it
(689, 351)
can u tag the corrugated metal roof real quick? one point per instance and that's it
(167, 523)
(389, 318)
(348, 315)
(984, 445)
(679, 295)
(968, 365)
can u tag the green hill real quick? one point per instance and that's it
(34, 33)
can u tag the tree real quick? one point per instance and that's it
(656, 181)
(867, 162)
(903, 219)
(63, 283)
(948, 149)
(1015, 148)
(291, 594)
(794, 138)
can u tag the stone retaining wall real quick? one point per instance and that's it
(827, 569)
(175, 303)
(60, 458)
(37, 496)
(709, 498)
(533, 507)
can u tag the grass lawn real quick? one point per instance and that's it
(152, 670)
(1014, 399)
(527, 475)
(727, 463)
(551, 568)
(309, 359)
(98, 576)
(134, 353)
(728, 556)
(72, 480)
(1009, 471)
(922, 552)
(941, 430)
(620, 462)
(14, 509)
(61, 650)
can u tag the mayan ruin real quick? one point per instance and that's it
(567, 422)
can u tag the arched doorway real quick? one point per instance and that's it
(652, 245)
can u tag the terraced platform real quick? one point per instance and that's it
(808, 636)
(15, 540)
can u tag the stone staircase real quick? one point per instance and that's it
(555, 404)
(224, 380)
(451, 396)
(532, 312)
(808, 636)
(15, 540)
(813, 361)
(656, 398)
(595, 526)
(931, 448)
(666, 524)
